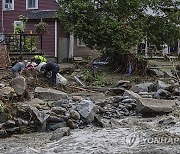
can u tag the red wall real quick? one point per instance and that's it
(20, 9)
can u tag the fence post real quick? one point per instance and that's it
(20, 42)
(41, 42)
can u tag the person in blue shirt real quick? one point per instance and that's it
(18, 68)
(53, 68)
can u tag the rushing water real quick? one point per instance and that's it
(133, 138)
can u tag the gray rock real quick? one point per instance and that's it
(58, 110)
(57, 125)
(54, 119)
(161, 85)
(162, 94)
(59, 133)
(39, 116)
(77, 98)
(85, 108)
(123, 83)
(128, 100)
(19, 85)
(156, 72)
(143, 87)
(49, 94)
(70, 123)
(36, 101)
(131, 94)
(75, 115)
(147, 105)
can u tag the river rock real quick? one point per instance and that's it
(19, 85)
(71, 124)
(85, 108)
(59, 133)
(161, 85)
(57, 125)
(143, 87)
(77, 98)
(156, 72)
(147, 105)
(75, 115)
(59, 110)
(162, 94)
(131, 94)
(49, 94)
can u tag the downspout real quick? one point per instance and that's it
(2, 20)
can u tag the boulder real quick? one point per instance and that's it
(131, 94)
(162, 94)
(86, 110)
(59, 110)
(148, 105)
(143, 87)
(161, 85)
(70, 123)
(75, 115)
(19, 85)
(156, 72)
(59, 133)
(49, 94)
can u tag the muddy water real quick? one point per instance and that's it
(132, 135)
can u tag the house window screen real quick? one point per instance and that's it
(31, 4)
(8, 5)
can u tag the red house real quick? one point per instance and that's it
(57, 43)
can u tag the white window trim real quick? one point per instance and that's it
(80, 45)
(37, 2)
(5, 9)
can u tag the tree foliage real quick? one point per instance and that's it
(117, 25)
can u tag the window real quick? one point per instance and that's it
(31, 4)
(8, 5)
(80, 43)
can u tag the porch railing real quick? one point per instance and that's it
(23, 43)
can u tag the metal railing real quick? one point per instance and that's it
(23, 43)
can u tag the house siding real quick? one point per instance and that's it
(20, 9)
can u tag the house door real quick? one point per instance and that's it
(63, 49)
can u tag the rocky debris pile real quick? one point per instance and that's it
(156, 90)
(54, 110)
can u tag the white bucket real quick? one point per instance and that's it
(60, 79)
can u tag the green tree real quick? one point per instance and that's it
(116, 25)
